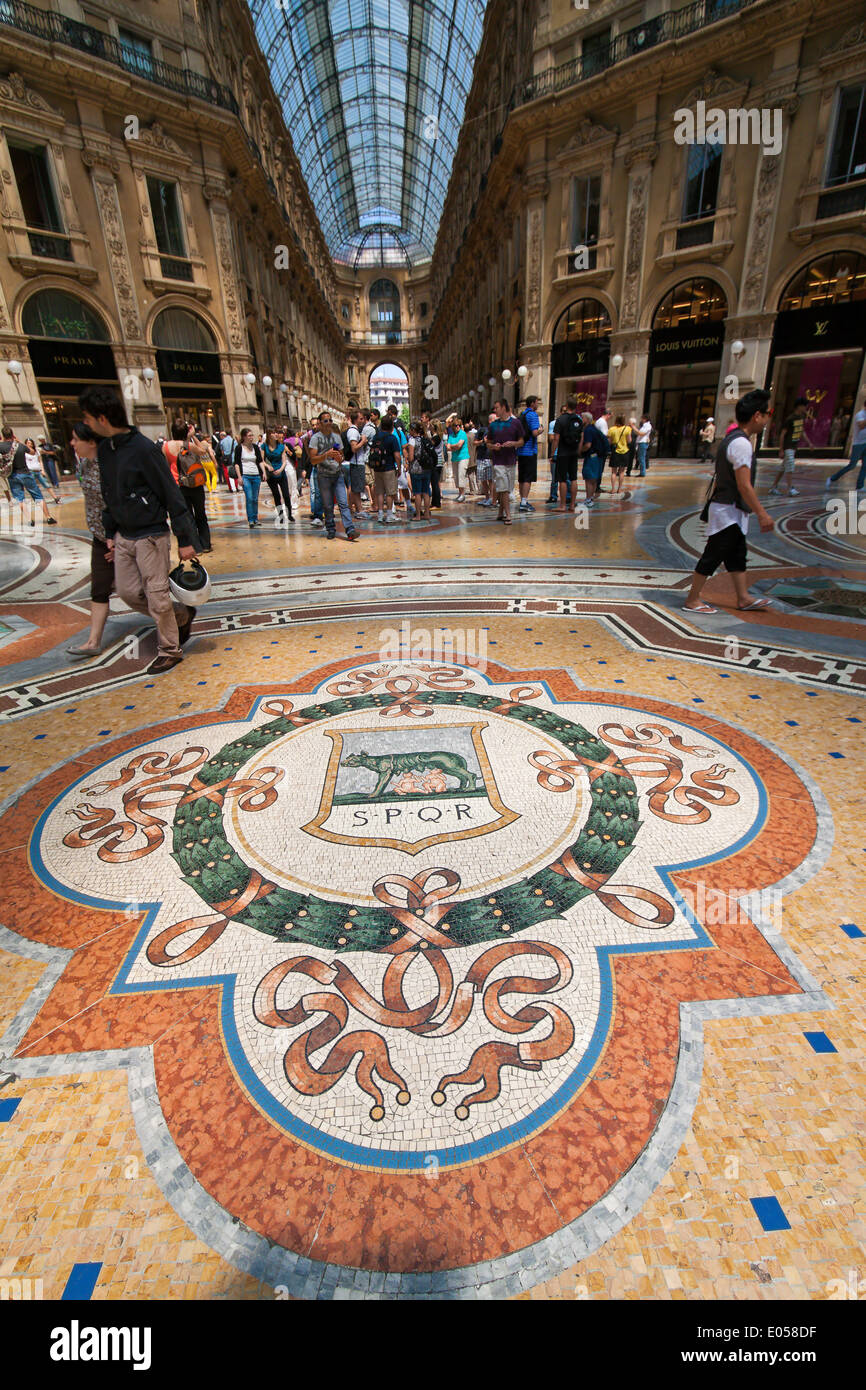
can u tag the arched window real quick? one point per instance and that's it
(692, 301)
(838, 278)
(586, 318)
(384, 307)
(183, 331)
(56, 314)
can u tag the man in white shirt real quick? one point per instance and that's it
(644, 435)
(858, 451)
(359, 434)
(603, 421)
(603, 424)
(731, 501)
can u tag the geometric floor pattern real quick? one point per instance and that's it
(337, 966)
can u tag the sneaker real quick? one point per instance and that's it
(529, 507)
(163, 663)
(319, 523)
(381, 520)
(51, 521)
(590, 502)
(331, 536)
(488, 502)
(254, 526)
(523, 507)
(352, 536)
(774, 492)
(391, 519)
(793, 492)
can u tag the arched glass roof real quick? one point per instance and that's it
(373, 93)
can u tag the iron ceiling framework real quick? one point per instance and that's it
(373, 93)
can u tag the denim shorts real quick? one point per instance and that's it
(357, 477)
(19, 483)
(420, 481)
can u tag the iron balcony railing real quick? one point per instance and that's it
(675, 24)
(56, 28)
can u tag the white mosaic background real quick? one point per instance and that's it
(546, 822)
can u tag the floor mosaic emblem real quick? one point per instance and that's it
(424, 937)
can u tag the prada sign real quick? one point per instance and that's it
(189, 368)
(689, 343)
(63, 360)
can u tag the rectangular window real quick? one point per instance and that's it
(703, 164)
(586, 213)
(137, 52)
(165, 209)
(597, 52)
(38, 202)
(848, 148)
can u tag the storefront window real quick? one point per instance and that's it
(178, 328)
(693, 301)
(580, 357)
(584, 319)
(55, 314)
(828, 381)
(818, 349)
(836, 279)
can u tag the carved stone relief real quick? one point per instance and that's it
(637, 212)
(760, 229)
(118, 255)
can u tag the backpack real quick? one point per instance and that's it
(569, 442)
(425, 459)
(376, 456)
(347, 448)
(191, 471)
(524, 425)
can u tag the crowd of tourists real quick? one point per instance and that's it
(370, 466)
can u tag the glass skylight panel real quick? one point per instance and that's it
(356, 79)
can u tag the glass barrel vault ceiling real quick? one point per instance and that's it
(373, 93)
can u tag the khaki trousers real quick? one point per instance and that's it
(141, 580)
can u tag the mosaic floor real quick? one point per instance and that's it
(520, 964)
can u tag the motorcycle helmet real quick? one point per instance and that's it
(189, 583)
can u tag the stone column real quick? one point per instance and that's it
(639, 163)
(749, 369)
(104, 169)
(627, 385)
(240, 398)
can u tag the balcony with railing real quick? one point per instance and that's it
(57, 28)
(664, 28)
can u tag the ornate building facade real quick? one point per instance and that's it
(594, 234)
(157, 233)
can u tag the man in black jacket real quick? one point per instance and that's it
(139, 492)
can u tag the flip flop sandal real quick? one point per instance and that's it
(758, 603)
(700, 608)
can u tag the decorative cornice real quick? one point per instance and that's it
(155, 138)
(587, 133)
(100, 157)
(643, 154)
(714, 86)
(854, 37)
(14, 90)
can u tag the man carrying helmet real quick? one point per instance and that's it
(139, 494)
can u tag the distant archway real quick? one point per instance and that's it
(389, 385)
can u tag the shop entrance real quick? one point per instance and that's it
(679, 402)
(61, 413)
